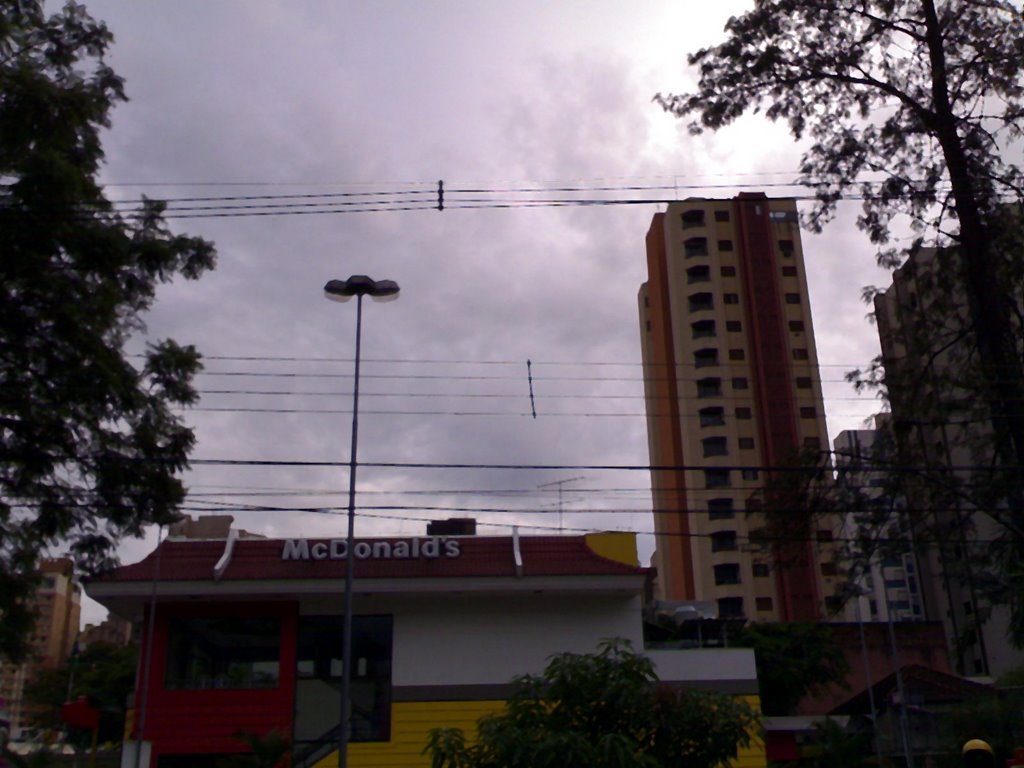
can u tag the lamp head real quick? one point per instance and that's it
(361, 285)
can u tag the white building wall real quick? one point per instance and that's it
(437, 641)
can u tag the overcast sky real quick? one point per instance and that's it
(373, 103)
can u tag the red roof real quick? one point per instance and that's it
(258, 559)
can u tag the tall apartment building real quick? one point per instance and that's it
(888, 580)
(942, 430)
(57, 603)
(731, 387)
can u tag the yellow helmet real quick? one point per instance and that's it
(977, 745)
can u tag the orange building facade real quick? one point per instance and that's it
(732, 390)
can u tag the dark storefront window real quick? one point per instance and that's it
(318, 682)
(223, 653)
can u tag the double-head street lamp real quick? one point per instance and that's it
(343, 290)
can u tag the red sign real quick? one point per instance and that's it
(80, 714)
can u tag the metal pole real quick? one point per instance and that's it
(346, 632)
(908, 749)
(870, 684)
(147, 655)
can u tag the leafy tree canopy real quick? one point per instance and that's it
(90, 444)
(793, 660)
(600, 710)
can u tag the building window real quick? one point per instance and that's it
(703, 328)
(800, 354)
(796, 326)
(749, 473)
(723, 541)
(761, 570)
(702, 358)
(803, 382)
(720, 509)
(743, 413)
(727, 573)
(716, 478)
(715, 446)
(725, 245)
(695, 246)
(699, 274)
(786, 247)
(746, 443)
(692, 218)
(730, 607)
(740, 382)
(733, 326)
(780, 217)
(709, 387)
(318, 671)
(721, 215)
(824, 535)
(789, 271)
(763, 603)
(728, 271)
(812, 442)
(829, 568)
(737, 354)
(701, 301)
(808, 412)
(712, 417)
(223, 652)
(792, 298)
(731, 298)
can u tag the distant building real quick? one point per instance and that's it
(886, 585)
(731, 387)
(942, 428)
(57, 603)
(113, 631)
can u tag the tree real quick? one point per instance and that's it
(104, 673)
(267, 751)
(913, 104)
(600, 710)
(90, 444)
(793, 660)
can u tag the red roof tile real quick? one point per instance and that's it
(254, 559)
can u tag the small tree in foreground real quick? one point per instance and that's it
(600, 710)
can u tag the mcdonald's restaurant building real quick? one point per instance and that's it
(243, 634)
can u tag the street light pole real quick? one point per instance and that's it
(343, 290)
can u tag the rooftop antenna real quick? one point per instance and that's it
(560, 483)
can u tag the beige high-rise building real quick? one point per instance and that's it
(57, 603)
(732, 388)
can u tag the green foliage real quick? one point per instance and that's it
(91, 444)
(39, 759)
(600, 710)
(268, 750)
(793, 660)
(873, 86)
(995, 718)
(103, 672)
(833, 747)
